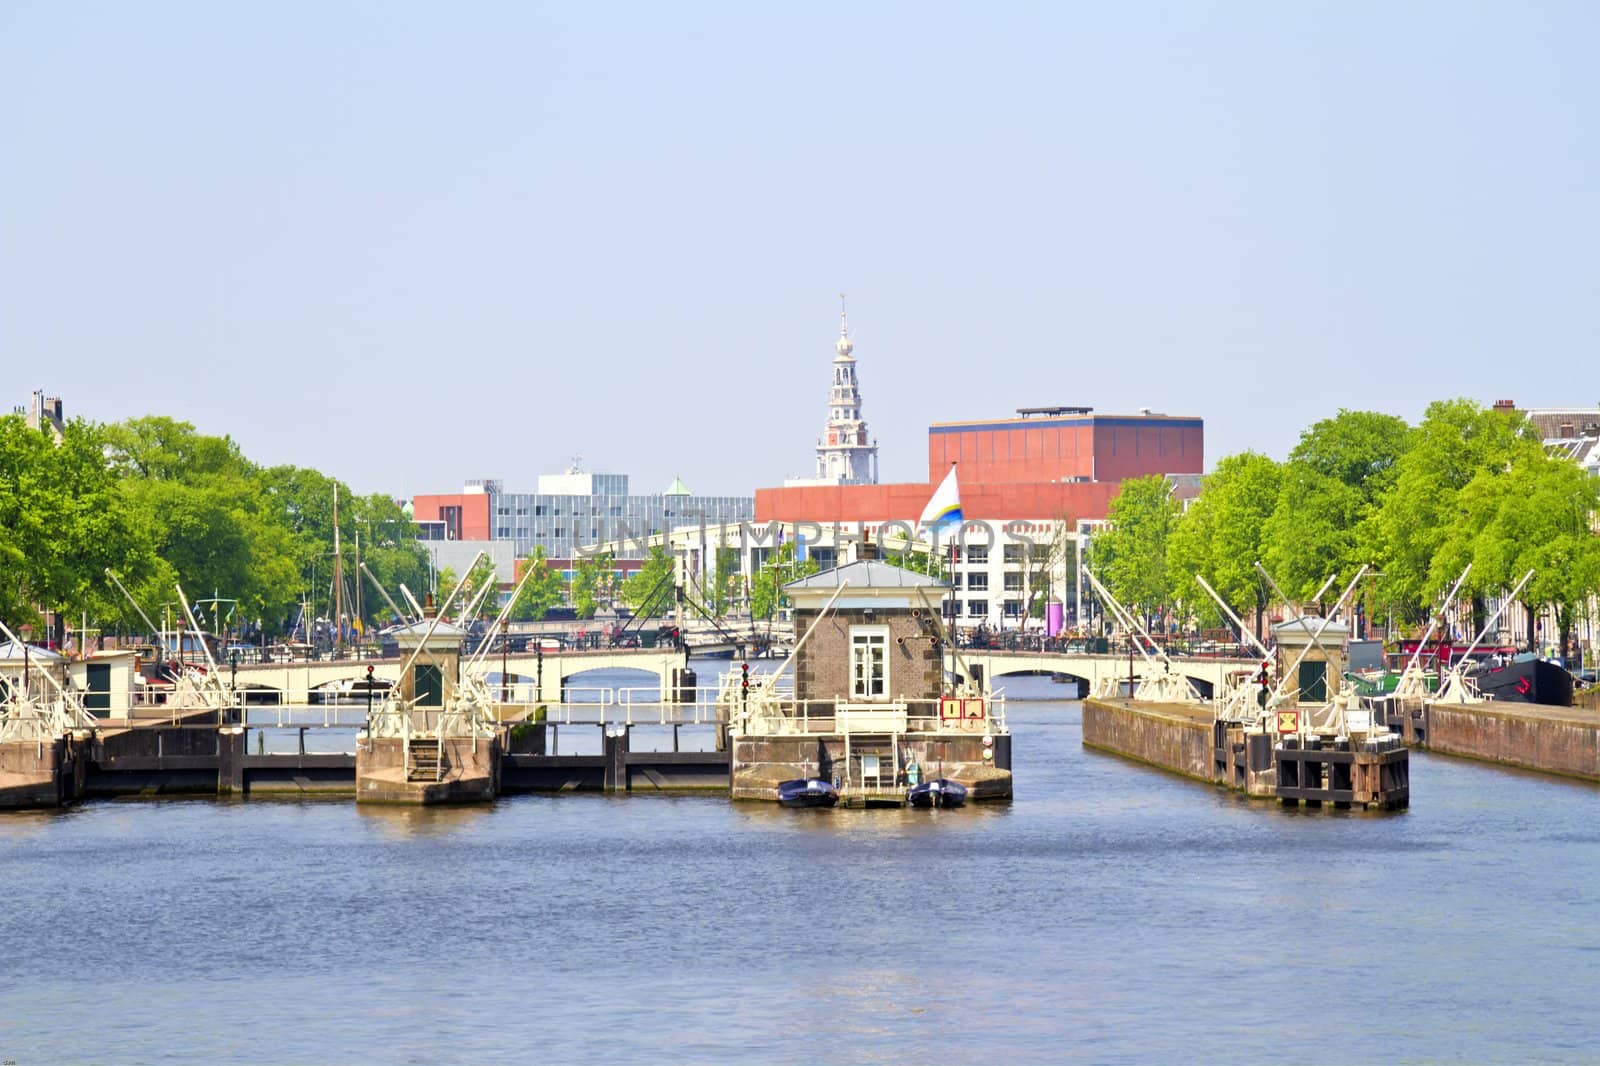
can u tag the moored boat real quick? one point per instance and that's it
(940, 792)
(807, 792)
(1524, 678)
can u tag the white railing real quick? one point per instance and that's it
(637, 706)
(785, 717)
(262, 745)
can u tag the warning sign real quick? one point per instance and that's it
(1288, 721)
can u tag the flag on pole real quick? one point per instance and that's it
(943, 512)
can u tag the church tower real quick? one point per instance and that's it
(845, 454)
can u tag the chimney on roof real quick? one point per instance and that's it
(1505, 405)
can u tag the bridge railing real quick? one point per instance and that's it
(1188, 648)
(635, 706)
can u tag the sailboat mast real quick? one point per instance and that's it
(360, 618)
(338, 583)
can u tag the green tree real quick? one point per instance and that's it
(483, 573)
(934, 564)
(1222, 536)
(63, 521)
(390, 550)
(1312, 533)
(157, 448)
(444, 580)
(724, 578)
(653, 578)
(766, 587)
(589, 579)
(544, 590)
(214, 522)
(1455, 442)
(1539, 515)
(1042, 559)
(1131, 552)
(1329, 488)
(1357, 448)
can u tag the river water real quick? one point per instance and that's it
(1111, 913)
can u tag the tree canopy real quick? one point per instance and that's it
(160, 504)
(649, 586)
(1466, 485)
(544, 589)
(1131, 552)
(766, 587)
(1220, 537)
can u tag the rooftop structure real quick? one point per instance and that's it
(45, 412)
(1557, 423)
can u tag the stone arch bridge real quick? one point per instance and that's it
(1206, 672)
(549, 673)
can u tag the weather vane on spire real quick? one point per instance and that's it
(844, 325)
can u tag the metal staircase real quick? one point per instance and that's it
(424, 761)
(872, 767)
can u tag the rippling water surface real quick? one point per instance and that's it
(1111, 913)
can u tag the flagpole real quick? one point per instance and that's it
(950, 594)
(942, 509)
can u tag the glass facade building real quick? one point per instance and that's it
(585, 511)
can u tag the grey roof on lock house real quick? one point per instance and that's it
(1303, 629)
(417, 630)
(868, 574)
(13, 651)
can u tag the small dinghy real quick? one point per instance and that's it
(808, 792)
(940, 792)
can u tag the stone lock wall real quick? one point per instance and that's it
(1554, 740)
(1171, 739)
(822, 669)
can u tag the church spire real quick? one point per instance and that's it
(846, 455)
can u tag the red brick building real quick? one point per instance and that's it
(1044, 464)
(464, 515)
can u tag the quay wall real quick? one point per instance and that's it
(1555, 740)
(35, 774)
(1168, 738)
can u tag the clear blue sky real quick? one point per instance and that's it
(411, 244)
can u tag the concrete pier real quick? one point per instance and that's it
(427, 771)
(152, 759)
(1187, 739)
(1553, 740)
(42, 773)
